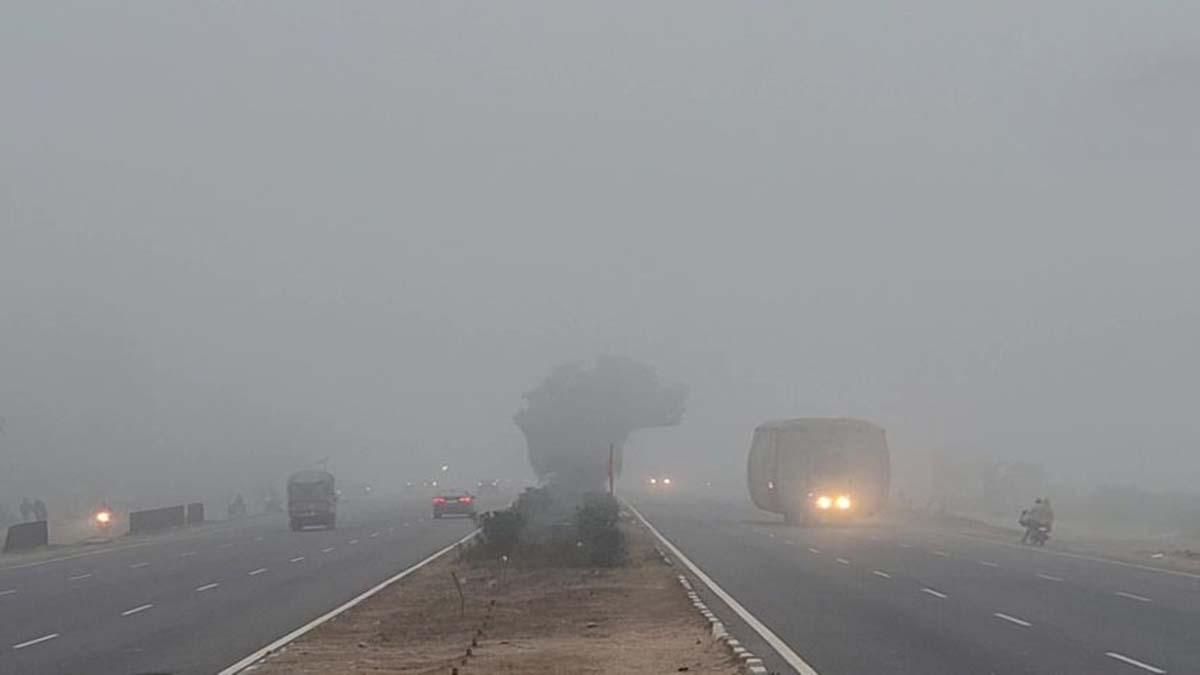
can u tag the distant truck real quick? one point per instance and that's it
(819, 469)
(312, 499)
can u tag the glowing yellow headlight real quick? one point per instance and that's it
(666, 481)
(103, 517)
(824, 502)
(843, 502)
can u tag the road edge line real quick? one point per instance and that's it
(262, 652)
(781, 648)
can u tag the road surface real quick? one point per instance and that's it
(874, 598)
(198, 601)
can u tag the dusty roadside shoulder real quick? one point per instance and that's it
(631, 619)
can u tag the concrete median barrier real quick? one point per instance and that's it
(26, 536)
(195, 513)
(157, 519)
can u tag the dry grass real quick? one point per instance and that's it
(634, 619)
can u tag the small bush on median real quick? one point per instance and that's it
(501, 531)
(597, 523)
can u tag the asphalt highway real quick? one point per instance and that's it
(875, 597)
(200, 600)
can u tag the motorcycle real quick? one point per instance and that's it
(1037, 535)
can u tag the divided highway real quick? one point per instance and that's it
(198, 601)
(876, 598)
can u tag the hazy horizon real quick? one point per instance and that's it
(235, 238)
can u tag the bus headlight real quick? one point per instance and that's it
(824, 503)
(843, 502)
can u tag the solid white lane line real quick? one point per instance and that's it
(1131, 596)
(813, 550)
(1047, 577)
(207, 587)
(785, 652)
(135, 610)
(843, 561)
(885, 575)
(78, 577)
(140, 565)
(353, 542)
(941, 554)
(1077, 556)
(328, 550)
(292, 636)
(30, 643)
(296, 559)
(258, 571)
(1012, 619)
(934, 593)
(988, 563)
(186, 554)
(1134, 662)
(8, 592)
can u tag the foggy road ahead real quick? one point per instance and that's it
(874, 598)
(198, 602)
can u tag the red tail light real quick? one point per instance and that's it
(465, 499)
(439, 500)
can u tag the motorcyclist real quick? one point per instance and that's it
(1041, 516)
(238, 506)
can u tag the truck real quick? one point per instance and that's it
(819, 469)
(312, 499)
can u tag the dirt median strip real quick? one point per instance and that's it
(632, 619)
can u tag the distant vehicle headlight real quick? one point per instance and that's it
(666, 481)
(103, 517)
(824, 502)
(654, 481)
(843, 502)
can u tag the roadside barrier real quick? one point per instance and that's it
(195, 513)
(27, 536)
(157, 519)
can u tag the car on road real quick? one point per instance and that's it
(453, 502)
(659, 482)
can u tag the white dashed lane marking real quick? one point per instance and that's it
(328, 550)
(258, 571)
(936, 594)
(207, 587)
(1047, 577)
(353, 542)
(137, 610)
(373, 535)
(227, 545)
(1012, 619)
(988, 563)
(813, 550)
(8, 592)
(140, 565)
(79, 577)
(843, 561)
(941, 554)
(30, 643)
(186, 554)
(885, 575)
(1135, 663)
(296, 559)
(1131, 596)
(258, 539)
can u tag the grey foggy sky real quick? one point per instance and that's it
(247, 233)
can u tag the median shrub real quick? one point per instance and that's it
(501, 532)
(597, 524)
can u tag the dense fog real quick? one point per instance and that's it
(238, 238)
